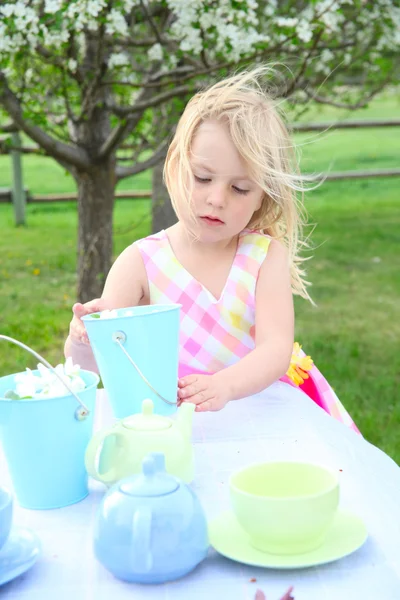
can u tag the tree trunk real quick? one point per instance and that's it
(163, 214)
(95, 209)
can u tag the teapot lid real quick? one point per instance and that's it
(153, 481)
(147, 421)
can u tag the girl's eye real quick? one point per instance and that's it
(202, 179)
(240, 191)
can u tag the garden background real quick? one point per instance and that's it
(353, 334)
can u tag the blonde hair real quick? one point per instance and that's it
(262, 139)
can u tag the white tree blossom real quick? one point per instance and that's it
(118, 60)
(156, 52)
(232, 29)
(116, 23)
(304, 31)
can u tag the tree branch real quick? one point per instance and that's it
(304, 65)
(122, 172)
(119, 133)
(130, 43)
(360, 104)
(151, 22)
(75, 156)
(177, 75)
(192, 72)
(68, 107)
(6, 149)
(8, 128)
(58, 62)
(188, 72)
(137, 150)
(123, 111)
(94, 64)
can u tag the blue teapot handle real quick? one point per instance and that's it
(142, 556)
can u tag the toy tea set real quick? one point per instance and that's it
(150, 526)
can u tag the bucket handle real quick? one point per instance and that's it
(119, 337)
(82, 412)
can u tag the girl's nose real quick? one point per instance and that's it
(217, 197)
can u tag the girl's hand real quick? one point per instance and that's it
(208, 392)
(77, 330)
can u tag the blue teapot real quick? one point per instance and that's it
(151, 527)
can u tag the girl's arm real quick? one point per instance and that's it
(274, 330)
(126, 285)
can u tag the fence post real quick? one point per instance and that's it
(18, 193)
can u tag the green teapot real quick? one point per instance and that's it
(119, 452)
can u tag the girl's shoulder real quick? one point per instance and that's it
(150, 244)
(152, 238)
(258, 246)
(254, 241)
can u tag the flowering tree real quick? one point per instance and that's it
(98, 84)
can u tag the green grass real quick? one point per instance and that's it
(353, 334)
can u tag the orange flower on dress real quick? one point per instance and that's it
(299, 365)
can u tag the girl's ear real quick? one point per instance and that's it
(258, 213)
(260, 202)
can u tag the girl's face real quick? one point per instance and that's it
(224, 196)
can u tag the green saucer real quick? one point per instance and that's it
(347, 534)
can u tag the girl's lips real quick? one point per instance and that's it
(213, 221)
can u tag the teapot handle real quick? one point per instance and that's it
(94, 452)
(142, 556)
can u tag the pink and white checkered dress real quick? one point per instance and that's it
(217, 332)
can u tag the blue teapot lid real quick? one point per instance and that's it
(153, 481)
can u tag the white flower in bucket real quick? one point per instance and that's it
(81, 413)
(112, 314)
(70, 369)
(47, 384)
(27, 384)
(109, 314)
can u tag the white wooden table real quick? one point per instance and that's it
(265, 427)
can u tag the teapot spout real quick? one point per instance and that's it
(185, 418)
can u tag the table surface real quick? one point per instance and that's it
(271, 425)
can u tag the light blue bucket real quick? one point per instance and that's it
(137, 356)
(44, 443)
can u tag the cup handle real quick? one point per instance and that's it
(142, 556)
(93, 454)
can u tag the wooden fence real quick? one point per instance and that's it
(6, 196)
(20, 196)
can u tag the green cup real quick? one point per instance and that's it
(285, 507)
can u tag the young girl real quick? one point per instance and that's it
(232, 259)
